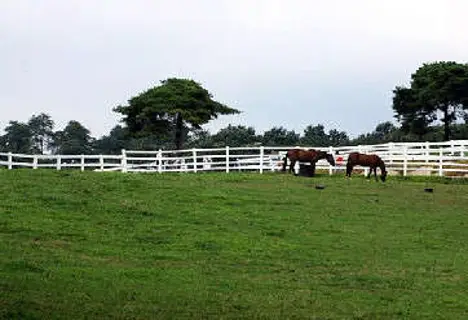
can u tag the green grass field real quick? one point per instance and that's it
(230, 246)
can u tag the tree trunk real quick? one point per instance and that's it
(179, 131)
(446, 124)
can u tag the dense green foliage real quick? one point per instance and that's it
(436, 88)
(131, 246)
(76, 139)
(173, 106)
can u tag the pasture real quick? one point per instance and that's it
(87, 245)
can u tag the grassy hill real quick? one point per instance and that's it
(228, 246)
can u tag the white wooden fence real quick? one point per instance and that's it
(423, 158)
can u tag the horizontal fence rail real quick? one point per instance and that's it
(412, 158)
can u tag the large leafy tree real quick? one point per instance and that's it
(174, 107)
(438, 91)
(279, 136)
(17, 138)
(112, 143)
(315, 136)
(73, 139)
(383, 132)
(200, 139)
(337, 138)
(413, 117)
(41, 127)
(235, 136)
(3, 144)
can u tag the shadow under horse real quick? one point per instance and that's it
(311, 155)
(366, 160)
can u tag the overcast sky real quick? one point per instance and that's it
(282, 62)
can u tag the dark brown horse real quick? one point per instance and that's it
(366, 160)
(310, 155)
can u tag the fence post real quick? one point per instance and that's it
(59, 162)
(10, 161)
(330, 167)
(405, 161)
(159, 159)
(227, 159)
(391, 147)
(101, 162)
(124, 161)
(262, 154)
(427, 151)
(35, 161)
(452, 147)
(441, 162)
(194, 153)
(82, 162)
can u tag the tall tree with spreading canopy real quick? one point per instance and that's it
(315, 136)
(235, 136)
(41, 127)
(18, 137)
(280, 136)
(175, 106)
(413, 118)
(437, 88)
(337, 138)
(113, 142)
(73, 139)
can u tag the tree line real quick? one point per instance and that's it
(38, 136)
(171, 116)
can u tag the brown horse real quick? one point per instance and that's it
(366, 160)
(310, 155)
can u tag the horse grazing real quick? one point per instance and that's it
(310, 155)
(366, 160)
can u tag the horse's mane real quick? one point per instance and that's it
(381, 164)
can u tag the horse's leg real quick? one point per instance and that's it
(285, 163)
(313, 168)
(349, 169)
(375, 174)
(291, 166)
(370, 172)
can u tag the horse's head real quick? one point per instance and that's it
(330, 159)
(323, 155)
(381, 164)
(383, 176)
